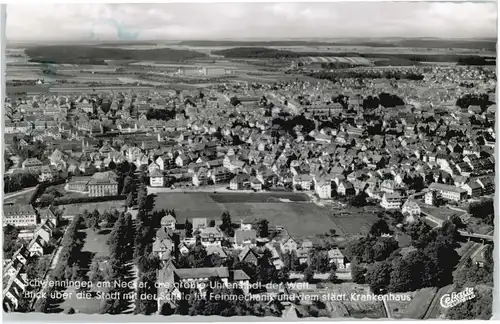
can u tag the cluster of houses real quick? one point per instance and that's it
(171, 242)
(15, 279)
(227, 137)
(200, 148)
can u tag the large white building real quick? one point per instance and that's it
(449, 192)
(391, 201)
(324, 189)
(19, 215)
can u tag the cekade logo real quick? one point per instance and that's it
(453, 299)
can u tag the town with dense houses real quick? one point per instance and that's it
(418, 159)
(284, 185)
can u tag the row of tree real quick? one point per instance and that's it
(146, 262)
(118, 267)
(335, 76)
(18, 181)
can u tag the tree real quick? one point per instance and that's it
(211, 223)
(10, 235)
(380, 227)
(401, 276)
(333, 276)
(263, 228)
(309, 275)
(378, 276)
(483, 210)
(359, 200)
(198, 257)
(95, 274)
(188, 228)
(420, 234)
(319, 261)
(227, 224)
(127, 185)
(357, 272)
(142, 196)
(129, 202)
(93, 223)
(383, 248)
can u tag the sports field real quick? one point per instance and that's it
(294, 211)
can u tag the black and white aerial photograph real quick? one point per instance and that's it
(263, 161)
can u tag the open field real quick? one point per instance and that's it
(300, 217)
(354, 221)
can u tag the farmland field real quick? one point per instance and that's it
(300, 217)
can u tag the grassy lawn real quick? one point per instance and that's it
(420, 301)
(95, 245)
(356, 221)
(95, 242)
(300, 217)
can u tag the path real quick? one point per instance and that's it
(387, 309)
(12, 195)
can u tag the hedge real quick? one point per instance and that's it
(40, 188)
(76, 200)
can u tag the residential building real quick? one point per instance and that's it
(32, 164)
(391, 201)
(244, 238)
(168, 221)
(248, 255)
(337, 257)
(156, 179)
(211, 236)
(473, 189)
(411, 207)
(199, 223)
(324, 189)
(19, 215)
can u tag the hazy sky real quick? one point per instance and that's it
(56, 22)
